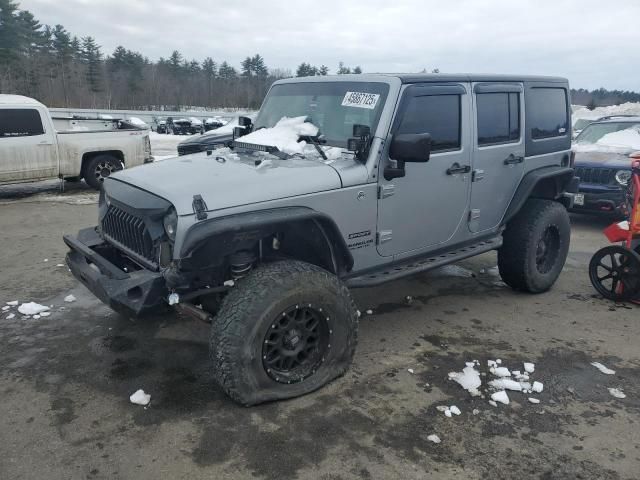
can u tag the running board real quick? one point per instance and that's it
(414, 266)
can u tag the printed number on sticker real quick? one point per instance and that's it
(360, 100)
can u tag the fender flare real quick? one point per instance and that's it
(252, 226)
(558, 177)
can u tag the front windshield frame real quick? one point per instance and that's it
(595, 131)
(311, 95)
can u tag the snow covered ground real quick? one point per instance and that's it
(165, 146)
(628, 108)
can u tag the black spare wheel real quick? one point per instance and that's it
(535, 246)
(284, 330)
(99, 168)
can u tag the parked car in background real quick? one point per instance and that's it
(197, 125)
(602, 163)
(581, 123)
(213, 123)
(180, 126)
(161, 126)
(32, 149)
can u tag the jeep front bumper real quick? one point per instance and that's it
(132, 293)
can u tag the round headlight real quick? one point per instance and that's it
(623, 176)
(171, 224)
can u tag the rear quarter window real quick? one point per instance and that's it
(548, 115)
(20, 122)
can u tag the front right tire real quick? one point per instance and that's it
(284, 330)
(535, 246)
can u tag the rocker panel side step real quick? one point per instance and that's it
(415, 266)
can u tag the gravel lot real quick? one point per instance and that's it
(66, 379)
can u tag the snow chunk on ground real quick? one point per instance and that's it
(5, 308)
(492, 403)
(455, 410)
(32, 308)
(10, 316)
(69, 298)
(469, 379)
(533, 400)
(501, 397)
(174, 298)
(506, 384)
(537, 387)
(140, 398)
(13, 303)
(434, 438)
(284, 135)
(410, 370)
(501, 372)
(616, 392)
(603, 369)
(45, 314)
(229, 283)
(529, 367)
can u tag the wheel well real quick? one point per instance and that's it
(548, 188)
(87, 157)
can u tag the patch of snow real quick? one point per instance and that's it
(469, 379)
(46, 259)
(60, 265)
(32, 308)
(369, 312)
(500, 397)
(616, 392)
(603, 369)
(13, 303)
(173, 299)
(10, 316)
(491, 363)
(498, 361)
(434, 438)
(229, 283)
(537, 387)
(410, 370)
(506, 384)
(284, 135)
(533, 400)
(501, 372)
(442, 408)
(264, 163)
(447, 412)
(70, 298)
(475, 411)
(140, 398)
(455, 410)
(5, 308)
(35, 317)
(45, 314)
(628, 108)
(493, 403)
(529, 367)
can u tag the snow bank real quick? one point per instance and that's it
(628, 108)
(32, 308)
(284, 135)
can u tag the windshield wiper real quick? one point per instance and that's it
(315, 141)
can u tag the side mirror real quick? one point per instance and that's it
(244, 121)
(411, 147)
(360, 131)
(239, 132)
(407, 147)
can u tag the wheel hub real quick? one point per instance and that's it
(547, 249)
(296, 343)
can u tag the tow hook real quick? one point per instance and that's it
(192, 311)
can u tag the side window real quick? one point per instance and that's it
(548, 112)
(23, 122)
(498, 118)
(438, 115)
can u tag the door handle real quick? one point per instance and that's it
(512, 160)
(457, 168)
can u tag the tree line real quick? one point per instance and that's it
(60, 69)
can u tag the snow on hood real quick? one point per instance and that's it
(284, 135)
(623, 141)
(227, 179)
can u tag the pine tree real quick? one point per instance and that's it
(323, 70)
(227, 71)
(258, 66)
(342, 70)
(357, 70)
(92, 57)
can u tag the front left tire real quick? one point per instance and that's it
(284, 330)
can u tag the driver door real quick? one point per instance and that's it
(425, 208)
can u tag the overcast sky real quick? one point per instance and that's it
(592, 42)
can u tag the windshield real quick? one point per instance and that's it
(333, 107)
(594, 132)
(581, 123)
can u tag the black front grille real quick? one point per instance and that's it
(601, 176)
(128, 231)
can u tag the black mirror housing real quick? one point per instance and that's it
(244, 121)
(360, 131)
(410, 147)
(239, 131)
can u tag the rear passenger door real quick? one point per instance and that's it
(27, 147)
(498, 151)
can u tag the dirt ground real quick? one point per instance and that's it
(65, 379)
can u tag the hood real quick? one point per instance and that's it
(602, 159)
(229, 180)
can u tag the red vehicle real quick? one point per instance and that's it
(614, 271)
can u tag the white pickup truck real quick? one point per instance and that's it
(35, 146)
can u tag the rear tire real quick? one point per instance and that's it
(284, 330)
(535, 246)
(99, 168)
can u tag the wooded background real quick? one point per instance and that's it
(62, 70)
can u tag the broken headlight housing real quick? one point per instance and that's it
(623, 176)
(170, 222)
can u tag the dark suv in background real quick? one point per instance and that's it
(602, 162)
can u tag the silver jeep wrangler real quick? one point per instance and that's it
(395, 175)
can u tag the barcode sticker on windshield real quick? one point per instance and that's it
(360, 100)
